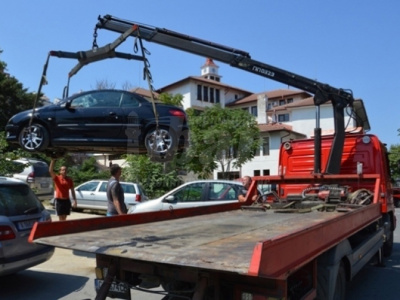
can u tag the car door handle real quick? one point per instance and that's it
(113, 114)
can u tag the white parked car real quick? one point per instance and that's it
(93, 194)
(36, 174)
(193, 194)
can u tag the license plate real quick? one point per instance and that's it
(24, 225)
(117, 290)
(44, 185)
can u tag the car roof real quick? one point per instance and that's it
(213, 180)
(10, 180)
(29, 160)
(106, 180)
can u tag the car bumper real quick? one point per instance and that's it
(11, 133)
(14, 265)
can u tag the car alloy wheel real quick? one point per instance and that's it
(160, 142)
(34, 138)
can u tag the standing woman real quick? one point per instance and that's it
(63, 184)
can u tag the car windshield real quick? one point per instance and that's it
(18, 200)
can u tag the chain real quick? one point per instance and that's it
(95, 46)
(146, 72)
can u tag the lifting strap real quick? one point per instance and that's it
(146, 72)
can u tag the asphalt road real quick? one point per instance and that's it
(69, 275)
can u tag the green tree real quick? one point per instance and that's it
(13, 96)
(156, 178)
(394, 160)
(171, 99)
(229, 137)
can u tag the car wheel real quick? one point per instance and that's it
(34, 138)
(161, 144)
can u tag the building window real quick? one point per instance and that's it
(257, 152)
(205, 93)
(256, 173)
(212, 95)
(282, 102)
(266, 172)
(283, 118)
(217, 96)
(265, 146)
(254, 111)
(199, 94)
(228, 175)
(290, 100)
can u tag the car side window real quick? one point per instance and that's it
(103, 187)
(128, 188)
(222, 191)
(190, 193)
(89, 187)
(84, 101)
(129, 100)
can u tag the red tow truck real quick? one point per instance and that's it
(330, 214)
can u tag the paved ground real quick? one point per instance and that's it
(70, 276)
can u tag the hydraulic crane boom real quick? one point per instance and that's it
(323, 93)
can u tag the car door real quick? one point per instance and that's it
(101, 201)
(92, 118)
(86, 194)
(136, 112)
(129, 194)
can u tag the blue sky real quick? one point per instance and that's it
(347, 44)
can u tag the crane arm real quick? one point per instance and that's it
(340, 98)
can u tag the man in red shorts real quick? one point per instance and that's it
(63, 184)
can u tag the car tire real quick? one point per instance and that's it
(34, 138)
(161, 144)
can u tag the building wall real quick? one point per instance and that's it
(303, 119)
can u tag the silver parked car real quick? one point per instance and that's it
(93, 194)
(19, 210)
(193, 194)
(36, 174)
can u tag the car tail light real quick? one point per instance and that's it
(138, 198)
(6, 233)
(31, 177)
(177, 113)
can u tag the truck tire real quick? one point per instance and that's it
(387, 247)
(340, 288)
(324, 284)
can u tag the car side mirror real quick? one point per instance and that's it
(169, 199)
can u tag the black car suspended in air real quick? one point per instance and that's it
(101, 121)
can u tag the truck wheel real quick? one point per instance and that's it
(324, 284)
(387, 247)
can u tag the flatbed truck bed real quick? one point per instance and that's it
(238, 241)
